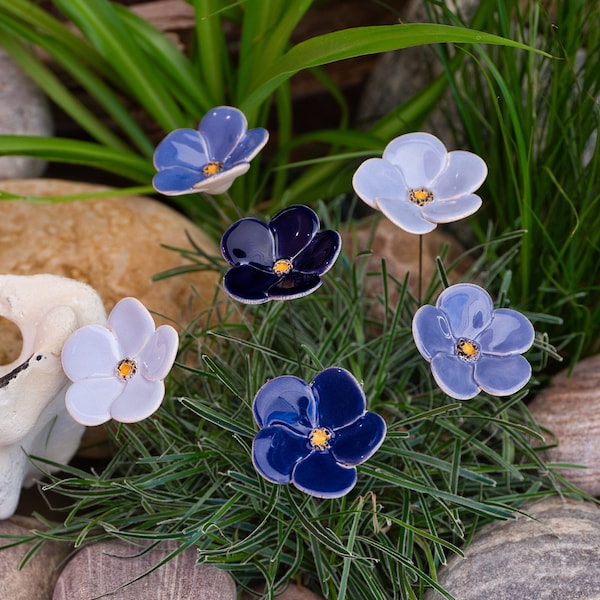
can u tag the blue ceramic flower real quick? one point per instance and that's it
(418, 183)
(209, 159)
(118, 371)
(279, 261)
(314, 435)
(471, 346)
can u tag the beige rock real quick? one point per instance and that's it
(570, 409)
(553, 555)
(104, 567)
(36, 580)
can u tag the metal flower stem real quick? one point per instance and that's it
(419, 298)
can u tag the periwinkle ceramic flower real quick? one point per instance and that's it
(418, 183)
(210, 158)
(281, 260)
(471, 346)
(118, 370)
(314, 435)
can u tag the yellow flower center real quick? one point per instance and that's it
(319, 438)
(282, 266)
(126, 369)
(420, 196)
(467, 349)
(212, 168)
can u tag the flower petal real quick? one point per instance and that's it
(220, 182)
(448, 211)
(139, 400)
(454, 376)
(91, 351)
(248, 241)
(509, 333)
(275, 452)
(285, 400)
(502, 375)
(293, 228)
(183, 148)
(376, 179)
(320, 255)
(421, 157)
(321, 476)
(464, 173)
(132, 325)
(249, 146)
(406, 215)
(89, 400)
(468, 308)
(340, 398)
(222, 129)
(248, 284)
(358, 441)
(295, 285)
(431, 332)
(158, 355)
(176, 180)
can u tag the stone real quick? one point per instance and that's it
(292, 592)
(24, 110)
(569, 408)
(36, 580)
(106, 568)
(554, 552)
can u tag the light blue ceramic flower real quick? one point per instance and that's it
(314, 435)
(210, 158)
(471, 346)
(118, 370)
(418, 183)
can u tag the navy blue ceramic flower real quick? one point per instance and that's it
(210, 158)
(314, 435)
(471, 346)
(279, 261)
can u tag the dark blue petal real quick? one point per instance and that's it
(468, 307)
(454, 376)
(509, 333)
(340, 399)
(294, 285)
(502, 375)
(248, 284)
(249, 146)
(182, 147)
(286, 400)
(318, 257)
(248, 241)
(294, 228)
(275, 451)
(321, 476)
(174, 181)
(431, 332)
(223, 128)
(358, 441)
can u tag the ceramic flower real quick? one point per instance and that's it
(280, 260)
(418, 183)
(471, 346)
(118, 370)
(314, 435)
(210, 158)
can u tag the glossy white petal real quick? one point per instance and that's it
(139, 400)
(406, 215)
(376, 179)
(132, 325)
(464, 173)
(158, 355)
(89, 400)
(447, 211)
(91, 351)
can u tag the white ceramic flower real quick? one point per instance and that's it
(418, 183)
(118, 371)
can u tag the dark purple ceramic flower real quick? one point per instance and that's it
(471, 346)
(314, 435)
(281, 260)
(210, 158)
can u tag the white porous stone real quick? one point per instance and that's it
(47, 309)
(24, 110)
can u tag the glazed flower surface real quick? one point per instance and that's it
(418, 183)
(281, 260)
(471, 346)
(314, 435)
(210, 158)
(117, 371)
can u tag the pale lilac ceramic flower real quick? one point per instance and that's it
(210, 158)
(418, 183)
(471, 346)
(118, 370)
